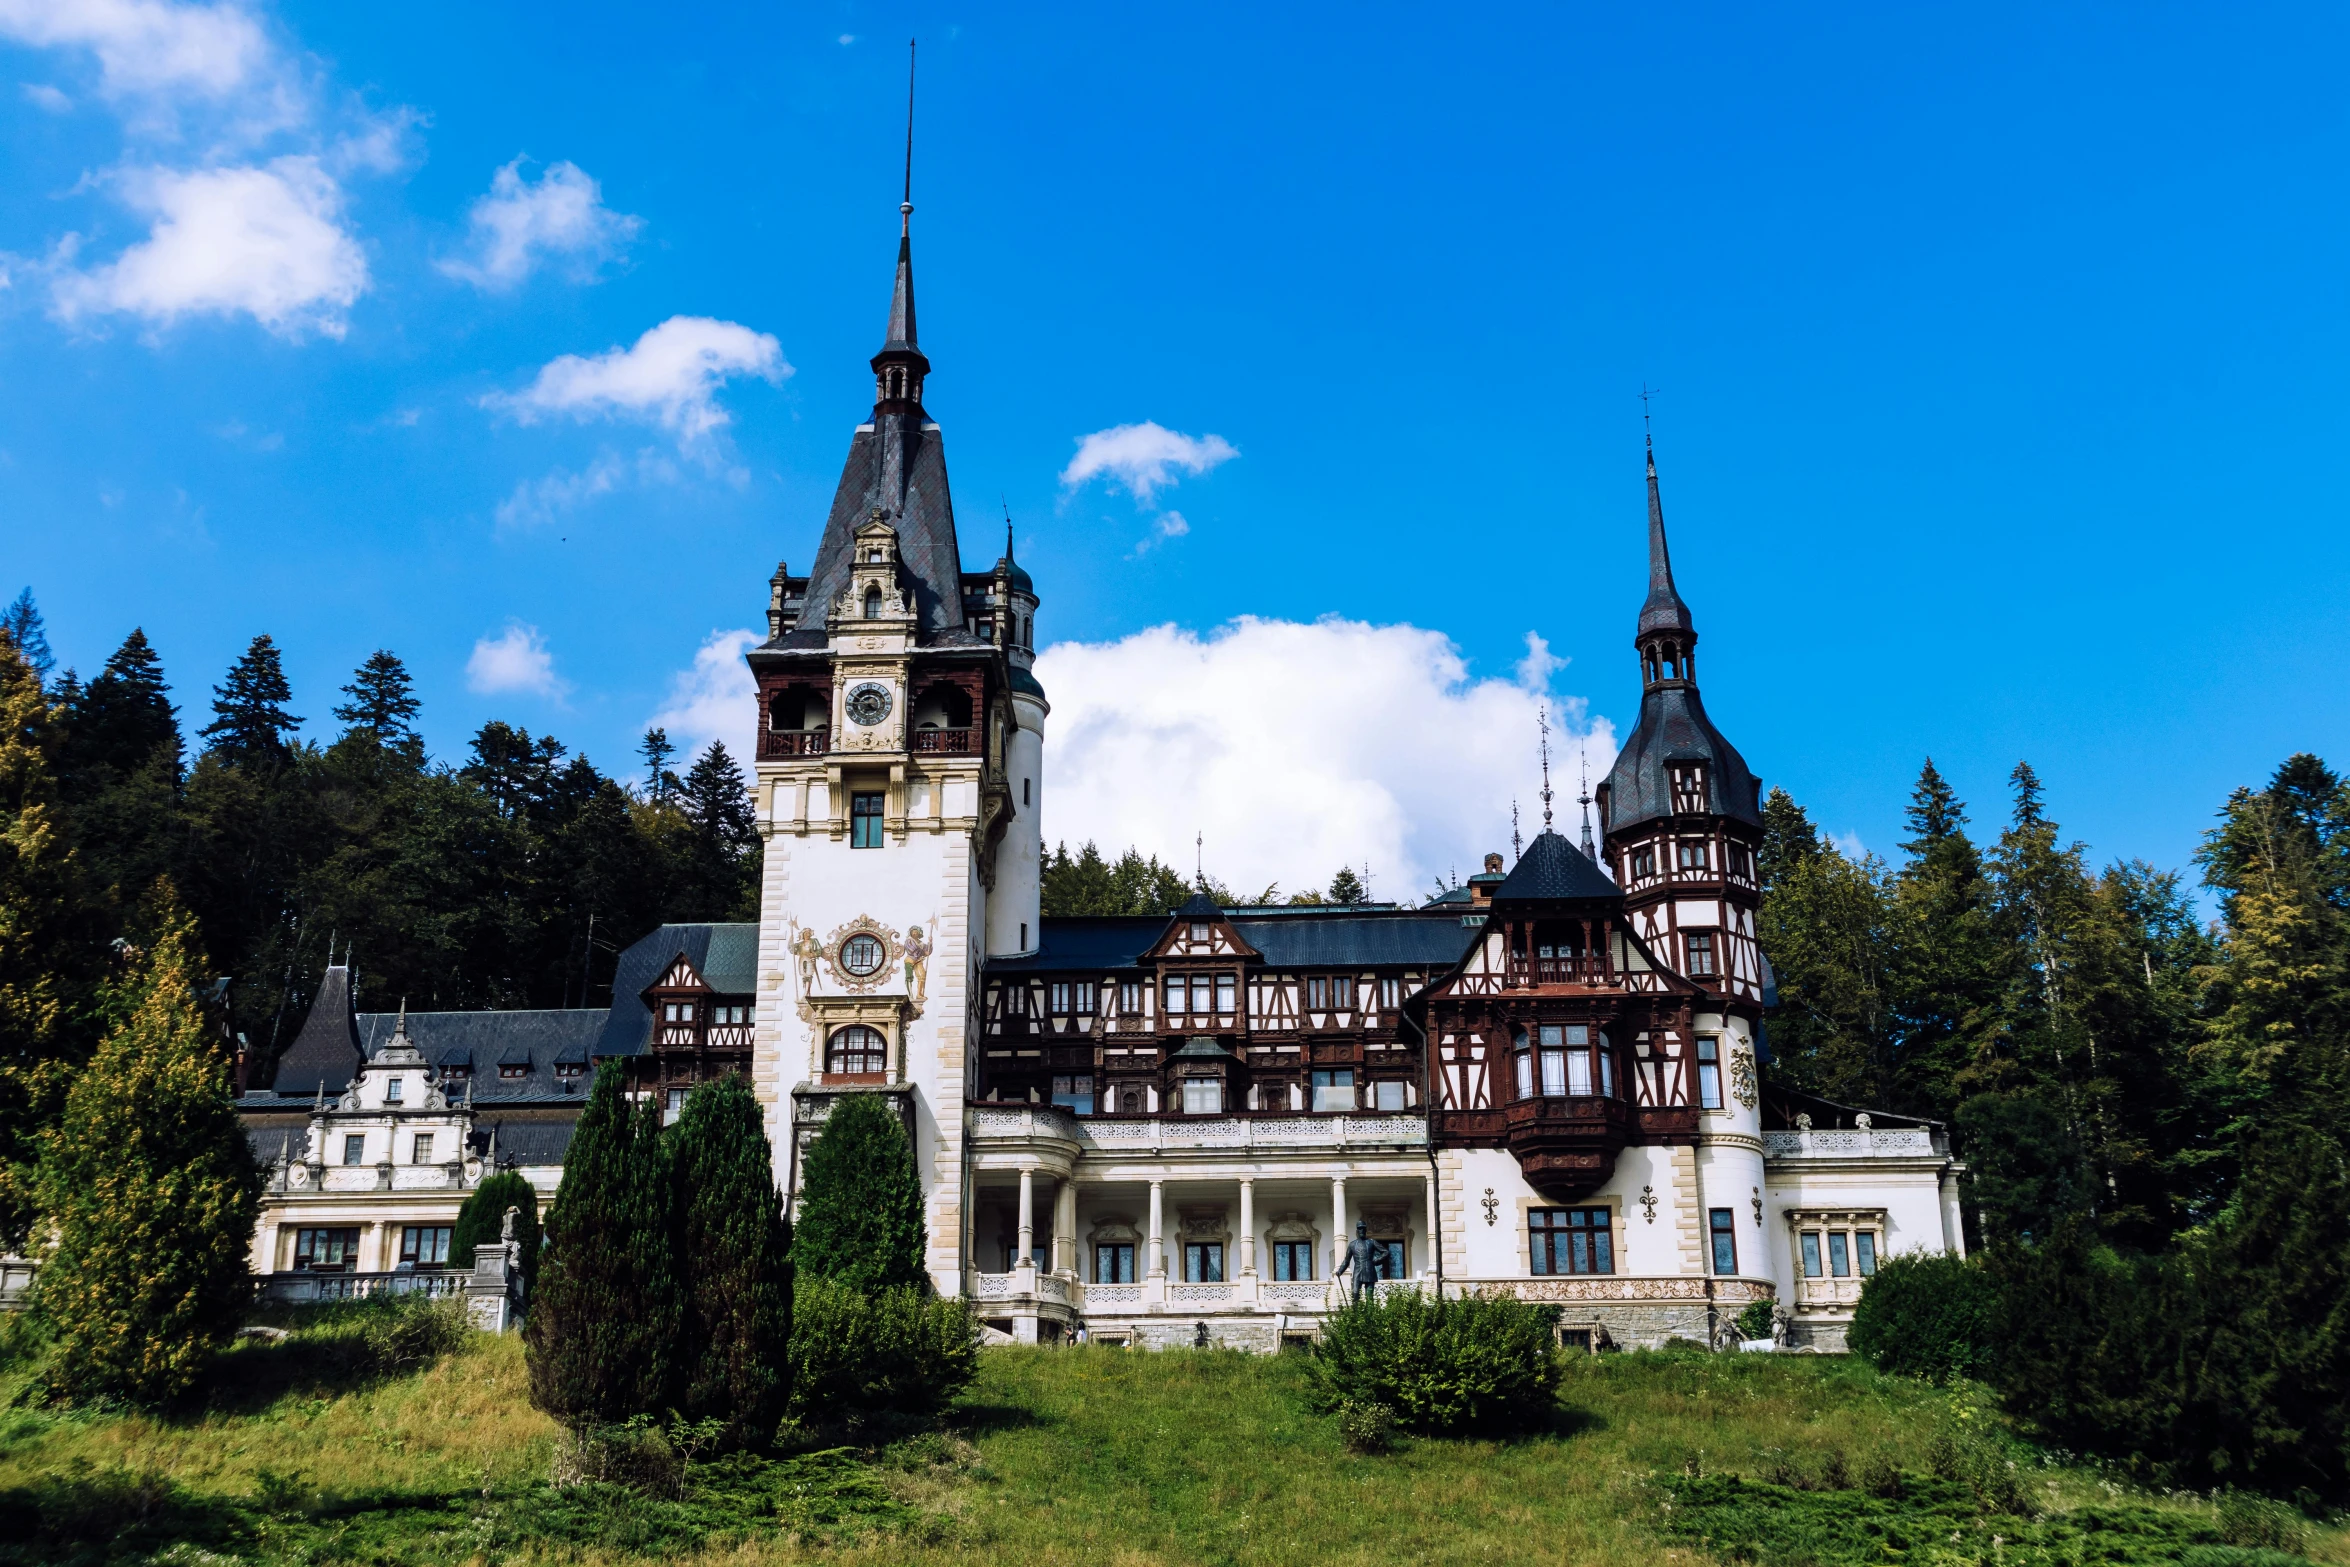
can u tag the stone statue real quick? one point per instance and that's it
(506, 1225)
(1199, 1335)
(809, 952)
(1366, 1259)
(917, 964)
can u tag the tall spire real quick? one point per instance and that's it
(1664, 610)
(1543, 718)
(901, 299)
(1584, 799)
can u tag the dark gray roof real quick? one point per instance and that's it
(525, 1139)
(898, 464)
(1551, 867)
(1203, 1047)
(327, 1050)
(1664, 610)
(1082, 943)
(1673, 728)
(480, 1040)
(726, 956)
(1197, 904)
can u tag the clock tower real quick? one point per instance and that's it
(899, 784)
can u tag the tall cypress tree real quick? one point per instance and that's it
(734, 1250)
(861, 1206)
(483, 1220)
(602, 1335)
(151, 1191)
(250, 722)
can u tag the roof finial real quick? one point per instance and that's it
(1007, 501)
(1585, 800)
(1544, 719)
(906, 202)
(1517, 845)
(1199, 858)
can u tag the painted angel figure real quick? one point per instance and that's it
(809, 952)
(917, 963)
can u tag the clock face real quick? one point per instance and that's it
(868, 704)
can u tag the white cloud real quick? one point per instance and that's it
(1166, 525)
(716, 699)
(1144, 457)
(149, 46)
(265, 241)
(1298, 748)
(669, 378)
(847, 39)
(43, 96)
(516, 660)
(543, 500)
(519, 223)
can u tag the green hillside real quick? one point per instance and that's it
(1094, 1456)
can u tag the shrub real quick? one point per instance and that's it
(1756, 1321)
(151, 1191)
(410, 1332)
(483, 1219)
(861, 1205)
(1971, 1451)
(1444, 1365)
(1927, 1314)
(854, 1355)
(1365, 1427)
(2260, 1524)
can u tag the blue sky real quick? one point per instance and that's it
(2000, 351)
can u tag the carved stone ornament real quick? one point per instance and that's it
(1742, 1086)
(1648, 1200)
(1492, 1206)
(838, 965)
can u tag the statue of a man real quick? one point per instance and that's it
(1366, 1259)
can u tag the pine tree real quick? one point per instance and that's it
(383, 700)
(482, 1221)
(734, 1250)
(861, 1204)
(121, 719)
(717, 801)
(24, 626)
(1346, 887)
(1949, 964)
(601, 1334)
(251, 724)
(1789, 839)
(151, 1191)
(656, 750)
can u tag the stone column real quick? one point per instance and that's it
(1027, 1258)
(1338, 1230)
(1248, 1228)
(1065, 1226)
(1428, 1244)
(1158, 1268)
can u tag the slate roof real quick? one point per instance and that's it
(327, 1049)
(726, 956)
(1551, 867)
(1673, 728)
(483, 1041)
(1664, 610)
(1109, 942)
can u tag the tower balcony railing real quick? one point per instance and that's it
(1589, 969)
(944, 742)
(777, 743)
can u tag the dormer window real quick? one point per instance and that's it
(1688, 789)
(570, 1070)
(392, 1090)
(1199, 930)
(511, 1070)
(873, 603)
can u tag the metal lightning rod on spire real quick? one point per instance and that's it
(906, 202)
(1544, 719)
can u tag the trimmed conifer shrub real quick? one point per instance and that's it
(151, 1191)
(861, 1206)
(1449, 1366)
(483, 1218)
(1927, 1314)
(734, 1255)
(601, 1335)
(856, 1355)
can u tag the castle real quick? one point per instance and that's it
(1158, 1130)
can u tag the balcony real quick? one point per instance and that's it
(305, 1287)
(775, 744)
(944, 742)
(992, 1123)
(1568, 1145)
(1591, 969)
(1890, 1142)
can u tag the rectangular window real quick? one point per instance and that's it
(1293, 1261)
(1202, 994)
(1317, 994)
(1709, 1072)
(1113, 1263)
(1579, 1071)
(673, 1106)
(1175, 996)
(1701, 954)
(1060, 1000)
(1227, 994)
(1075, 1091)
(1391, 1260)
(1015, 1001)
(1811, 1254)
(1643, 864)
(1391, 1095)
(1342, 992)
(1389, 991)
(424, 1246)
(1865, 1241)
(1199, 930)
(1203, 1262)
(1525, 1074)
(355, 1148)
(1130, 998)
(421, 1153)
(1607, 1070)
(1839, 1254)
(326, 1251)
(1692, 856)
(1572, 1240)
(392, 1088)
(1085, 998)
(1334, 1088)
(1203, 1096)
(864, 821)
(1721, 1221)
(1554, 1061)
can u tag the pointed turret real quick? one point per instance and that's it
(323, 1057)
(1664, 610)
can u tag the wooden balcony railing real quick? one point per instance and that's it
(775, 743)
(1587, 970)
(943, 742)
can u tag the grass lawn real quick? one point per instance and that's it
(1100, 1456)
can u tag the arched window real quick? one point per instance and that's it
(856, 1049)
(873, 603)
